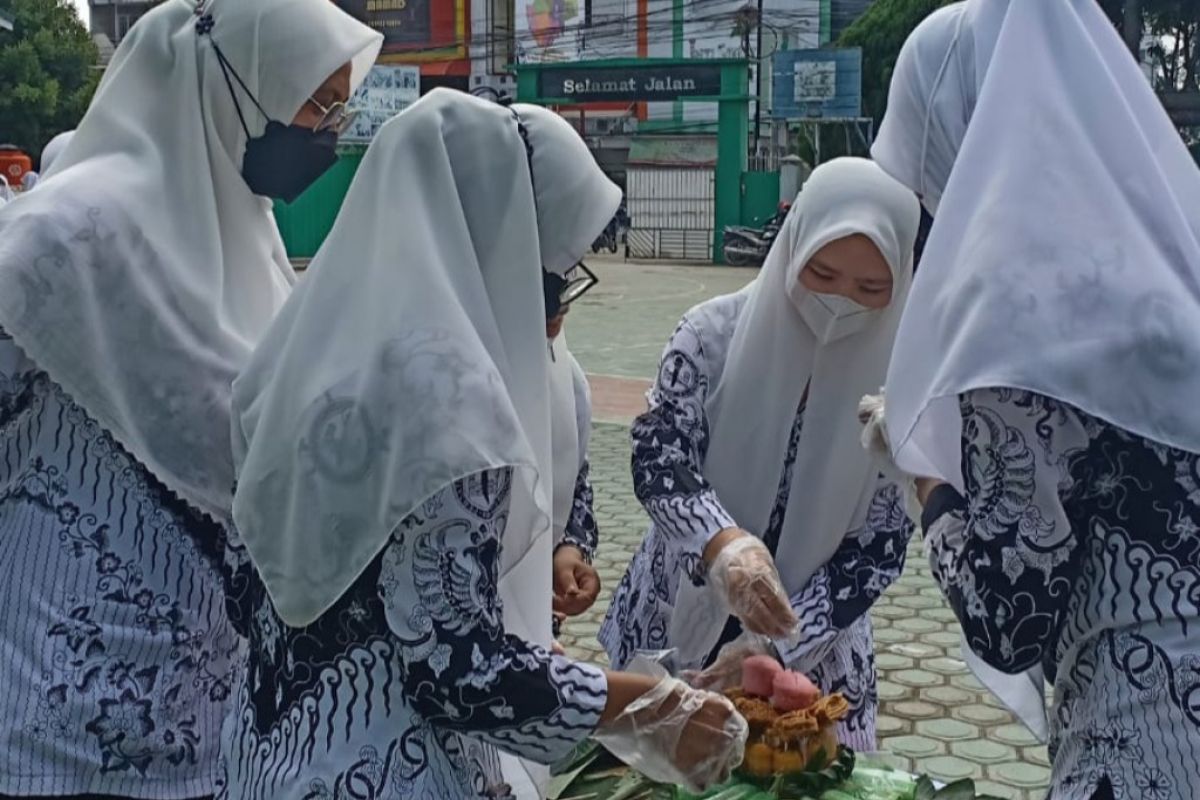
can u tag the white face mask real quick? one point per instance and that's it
(831, 316)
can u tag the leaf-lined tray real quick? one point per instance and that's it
(591, 773)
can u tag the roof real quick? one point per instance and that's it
(6, 21)
(673, 151)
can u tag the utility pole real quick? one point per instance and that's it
(758, 79)
(1133, 28)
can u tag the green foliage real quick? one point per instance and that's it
(881, 32)
(47, 73)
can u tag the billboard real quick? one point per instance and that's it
(415, 30)
(630, 83)
(824, 83)
(386, 92)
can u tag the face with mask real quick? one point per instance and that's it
(287, 158)
(847, 282)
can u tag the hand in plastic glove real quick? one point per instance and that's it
(726, 671)
(676, 734)
(576, 582)
(743, 572)
(874, 434)
(871, 413)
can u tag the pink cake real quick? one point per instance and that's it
(758, 675)
(791, 691)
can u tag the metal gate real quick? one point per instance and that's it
(671, 212)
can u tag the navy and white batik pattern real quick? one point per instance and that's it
(582, 531)
(408, 685)
(836, 647)
(118, 658)
(1077, 547)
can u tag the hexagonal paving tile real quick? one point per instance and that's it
(890, 661)
(915, 709)
(967, 681)
(948, 695)
(1036, 755)
(980, 714)
(1016, 735)
(946, 666)
(943, 638)
(951, 768)
(889, 635)
(1020, 774)
(913, 746)
(918, 602)
(939, 614)
(916, 624)
(889, 691)
(911, 649)
(884, 611)
(917, 678)
(887, 725)
(947, 730)
(982, 751)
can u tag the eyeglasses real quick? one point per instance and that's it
(336, 118)
(580, 281)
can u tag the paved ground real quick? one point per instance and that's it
(935, 718)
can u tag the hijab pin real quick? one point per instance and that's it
(204, 19)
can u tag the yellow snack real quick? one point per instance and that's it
(787, 762)
(759, 760)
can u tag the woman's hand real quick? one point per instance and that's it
(576, 582)
(741, 568)
(673, 733)
(925, 487)
(726, 671)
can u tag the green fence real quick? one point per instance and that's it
(761, 197)
(305, 223)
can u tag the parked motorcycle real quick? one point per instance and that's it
(614, 233)
(748, 247)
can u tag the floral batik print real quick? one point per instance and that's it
(122, 659)
(1076, 551)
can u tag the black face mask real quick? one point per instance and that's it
(552, 288)
(287, 159)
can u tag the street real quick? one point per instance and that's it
(934, 716)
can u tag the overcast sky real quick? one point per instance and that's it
(82, 7)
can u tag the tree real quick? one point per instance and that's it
(1174, 27)
(881, 32)
(47, 72)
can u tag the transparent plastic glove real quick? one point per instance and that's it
(677, 734)
(726, 671)
(876, 442)
(745, 575)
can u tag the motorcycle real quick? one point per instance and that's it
(744, 246)
(616, 231)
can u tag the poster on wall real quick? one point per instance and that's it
(386, 91)
(548, 30)
(402, 22)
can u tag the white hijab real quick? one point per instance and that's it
(773, 356)
(570, 418)
(1065, 258)
(437, 368)
(55, 148)
(143, 274)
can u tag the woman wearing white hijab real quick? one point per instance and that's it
(576, 534)
(132, 288)
(749, 455)
(394, 439)
(1044, 378)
